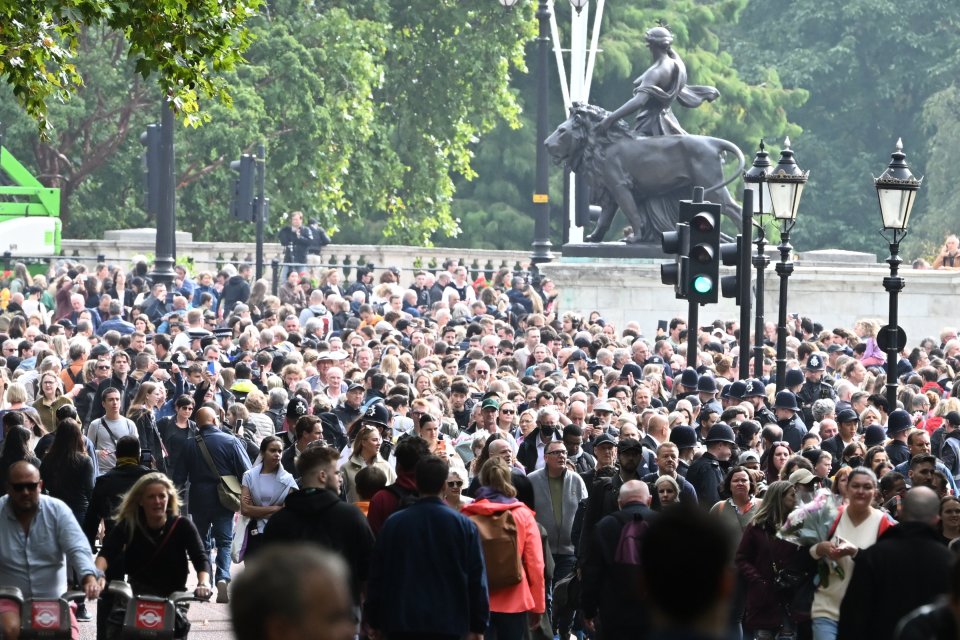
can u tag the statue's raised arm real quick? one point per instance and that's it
(655, 91)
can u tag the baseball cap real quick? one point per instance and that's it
(801, 476)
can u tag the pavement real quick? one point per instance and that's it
(209, 620)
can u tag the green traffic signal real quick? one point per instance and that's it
(703, 284)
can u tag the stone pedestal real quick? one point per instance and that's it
(832, 288)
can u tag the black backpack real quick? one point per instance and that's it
(405, 497)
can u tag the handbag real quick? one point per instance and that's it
(229, 487)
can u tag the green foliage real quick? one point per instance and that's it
(748, 108)
(183, 45)
(870, 67)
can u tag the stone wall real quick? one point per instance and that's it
(834, 287)
(836, 294)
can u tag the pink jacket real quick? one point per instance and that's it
(528, 594)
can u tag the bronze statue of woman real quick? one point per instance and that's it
(664, 82)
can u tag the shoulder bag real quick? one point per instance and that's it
(228, 489)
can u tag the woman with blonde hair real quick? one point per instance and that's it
(365, 452)
(17, 398)
(153, 541)
(49, 399)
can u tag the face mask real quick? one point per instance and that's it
(855, 461)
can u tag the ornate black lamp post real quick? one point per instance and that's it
(897, 190)
(541, 200)
(785, 184)
(755, 179)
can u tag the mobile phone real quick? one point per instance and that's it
(146, 458)
(238, 426)
(662, 326)
(212, 367)
(570, 368)
(477, 395)
(163, 364)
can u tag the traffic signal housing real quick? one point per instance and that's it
(677, 243)
(242, 205)
(703, 265)
(735, 254)
(151, 169)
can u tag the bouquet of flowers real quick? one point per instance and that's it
(810, 524)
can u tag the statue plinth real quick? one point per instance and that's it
(639, 250)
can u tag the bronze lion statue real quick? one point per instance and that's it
(632, 173)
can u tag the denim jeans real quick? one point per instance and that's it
(215, 525)
(824, 629)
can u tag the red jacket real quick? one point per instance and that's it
(529, 594)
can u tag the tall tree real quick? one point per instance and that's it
(183, 44)
(870, 67)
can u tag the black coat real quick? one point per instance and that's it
(610, 589)
(236, 290)
(706, 475)
(907, 567)
(107, 494)
(318, 515)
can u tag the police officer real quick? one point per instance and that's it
(685, 386)
(785, 408)
(757, 396)
(815, 387)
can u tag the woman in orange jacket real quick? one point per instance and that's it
(517, 596)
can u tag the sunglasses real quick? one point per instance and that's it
(103, 367)
(24, 486)
(508, 412)
(558, 452)
(482, 372)
(455, 484)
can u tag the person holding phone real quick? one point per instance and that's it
(949, 256)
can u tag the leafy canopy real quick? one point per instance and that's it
(185, 43)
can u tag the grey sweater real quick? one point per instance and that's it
(574, 490)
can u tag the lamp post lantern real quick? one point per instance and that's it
(755, 180)
(785, 185)
(897, 191)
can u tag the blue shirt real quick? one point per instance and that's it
(36, 562)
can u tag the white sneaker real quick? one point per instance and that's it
(223, 595)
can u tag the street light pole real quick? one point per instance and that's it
(541, 199)
(755, 179)
(897, 191)
(786, 183)
(166, 247)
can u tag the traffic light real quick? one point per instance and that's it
(734, 254)
(677, 243)
(703, 266)
(151, 169)
(242, 206)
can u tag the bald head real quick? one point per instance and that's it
(498, 448)
(634, 492)
(921, 504)
(206, 416)
(23, 471)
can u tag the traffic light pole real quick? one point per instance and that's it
(693, 329)
(260, 209)
(746, 230)
(166, 248)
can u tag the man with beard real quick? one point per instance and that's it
(606, 492)
(316, 514)
(668, 458)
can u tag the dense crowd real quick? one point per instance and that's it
(479, 462)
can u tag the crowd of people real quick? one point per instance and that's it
(461, 458)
